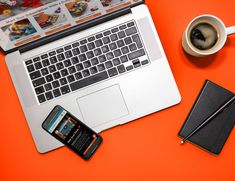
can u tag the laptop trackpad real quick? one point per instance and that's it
(102, 106)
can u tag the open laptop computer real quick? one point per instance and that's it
(100, 59)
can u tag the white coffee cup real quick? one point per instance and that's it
(223, 32)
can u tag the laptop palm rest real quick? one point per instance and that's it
(102, 106)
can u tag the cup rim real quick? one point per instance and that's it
(219, 46)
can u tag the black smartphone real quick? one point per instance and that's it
(72, 132)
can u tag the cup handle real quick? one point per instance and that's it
(230, 30)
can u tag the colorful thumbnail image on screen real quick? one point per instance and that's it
(10, 8)
(19, 29)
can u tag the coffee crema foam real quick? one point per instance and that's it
(204, 36)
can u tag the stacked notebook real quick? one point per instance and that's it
(213, 135)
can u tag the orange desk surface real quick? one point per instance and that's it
(147, 149)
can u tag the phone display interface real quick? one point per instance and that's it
(72, 132)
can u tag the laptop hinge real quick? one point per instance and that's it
(74, 29)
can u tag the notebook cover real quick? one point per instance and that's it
(212, 136)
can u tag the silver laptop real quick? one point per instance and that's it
(102, 60)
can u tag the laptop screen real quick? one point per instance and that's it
(24, 21)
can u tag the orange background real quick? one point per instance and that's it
(146, 149)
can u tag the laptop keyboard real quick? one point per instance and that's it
(96, 58)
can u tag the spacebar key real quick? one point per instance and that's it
(88, 81)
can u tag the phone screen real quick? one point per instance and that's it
(72, 132)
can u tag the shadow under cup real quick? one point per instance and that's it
(202, 28)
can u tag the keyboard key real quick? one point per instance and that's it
(52, 53)
(106, 40)
(117, 53)
(114, 30)
(63, 81)
(41, 98)
(144, 62)
(98, 43)
(53, 60)
(137, 40)
(44, 71)
(125, 50)
(39, 90)
(113, 72)
(64, 72)
(90, 55)
(121, 34)
(68, 47)
(87, 64)
(102, 58)
(68, 54)
(136, 54)
(67, 63)
(60, 50)
(65, 89)
(88, 81)
(122, 27)
(39, 82)
(36, 59)
(93, 70)
(56, 84)
(116, 61)
(110, 55)
(49, 95)
(99, 36)
(76, 51)
(57, 75)
(48, 86)
(136, 63)
(52, 68)
(44, 56)
(71, 78)
(72, 69)
(60, 57)
(105, 49)
(75, 60)
(79, 67)
(120, 43)
(83, 42)
(49, 78)
(92, 38)
(113, 46)
(76, 44)
(121, 69)
(94, 61)
(108, 64)
(133, 47)
(128, 40)
(124, 59)
(38, 65)
(59, 66)
(30, 68)
(101, 67)
(78, 75)
(45, 62)
(85, 73)
(82, 57)
(130, 24)
(91, 46)
(131, 31)
(56, 93)
(97, 52)
(106, 33)
(114, 37)
(35, 75)
(129, 68)
(83, 48)
(28, 62)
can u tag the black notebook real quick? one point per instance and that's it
(213, 135)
